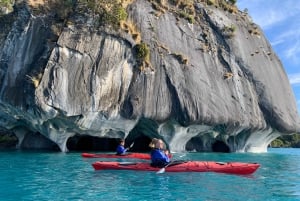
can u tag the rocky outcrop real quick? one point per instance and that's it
(213, 84)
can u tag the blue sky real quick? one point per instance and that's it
(280, 21)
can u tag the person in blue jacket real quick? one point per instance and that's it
(159, 156)
(121, 150)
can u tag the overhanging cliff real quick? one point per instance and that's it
(195, 74)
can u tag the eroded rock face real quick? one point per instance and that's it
(204, 85)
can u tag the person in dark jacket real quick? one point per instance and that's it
(159, 156)
(121, 150)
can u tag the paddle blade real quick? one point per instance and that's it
(162, 170)
(130, 146)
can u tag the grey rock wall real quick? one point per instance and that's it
(203, 85)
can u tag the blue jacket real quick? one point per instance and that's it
(159, 158)
(121, 150)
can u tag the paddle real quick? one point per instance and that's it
(162, 170)
(130, 146)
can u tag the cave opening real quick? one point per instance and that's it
(194, 144)
(197, 144)
(141, 144)
(142, 135)
(8, 141)
(139, 137)
(90, 143)
(220, 146)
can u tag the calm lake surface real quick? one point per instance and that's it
(51, 176)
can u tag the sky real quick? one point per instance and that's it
(280, 21)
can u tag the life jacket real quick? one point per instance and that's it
(159, 158)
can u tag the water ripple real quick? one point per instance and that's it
(44, 176)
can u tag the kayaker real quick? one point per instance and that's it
(159, 155)
(121, 150)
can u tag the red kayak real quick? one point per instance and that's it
(128, 155)
(187, 166)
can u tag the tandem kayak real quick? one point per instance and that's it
(128, 155)
(187, 166)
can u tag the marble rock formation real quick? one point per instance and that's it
(209, 81)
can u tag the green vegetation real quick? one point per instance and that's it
(8, 4)
(181, 8)
(106, 12)
(186, 9)
(6, 20)
(229, 30)
(227, 5)
(221, 2)
(287, 141)
(110, 12)
(232, 2)
(186, 16)
(142, 51)
(210, 2)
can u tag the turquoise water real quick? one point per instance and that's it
(47, 176)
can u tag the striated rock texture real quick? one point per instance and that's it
(210, 83)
